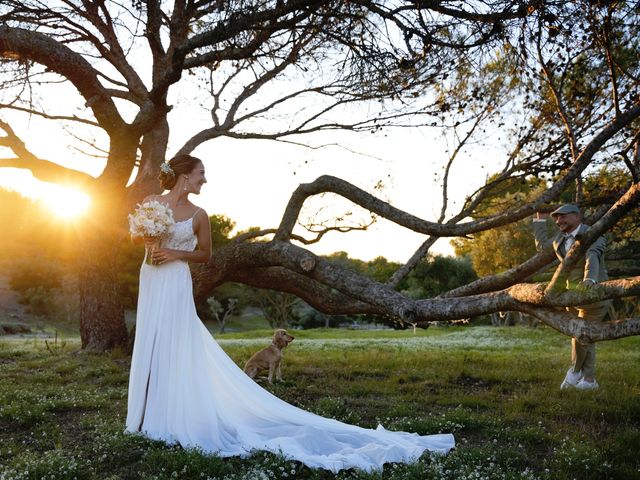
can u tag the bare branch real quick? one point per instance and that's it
(114, 54)
(633, 166)
(606, 45)
(423, 249)
(16, 42)
(418, 255)
(31, 111)
(332, 184)
(243, 237)
(561, 109)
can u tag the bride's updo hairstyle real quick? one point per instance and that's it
(178, 165)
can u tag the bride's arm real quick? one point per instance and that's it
(203, 234)
(202, 255)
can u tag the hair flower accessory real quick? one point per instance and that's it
(166, 168)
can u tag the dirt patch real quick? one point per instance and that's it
(474, 382)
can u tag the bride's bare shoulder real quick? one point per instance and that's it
(200, 213)
(200, 216)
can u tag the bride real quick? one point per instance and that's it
(183, 388)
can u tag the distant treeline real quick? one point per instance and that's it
(38, 251)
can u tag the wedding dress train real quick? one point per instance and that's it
(183, 388)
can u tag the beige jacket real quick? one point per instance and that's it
(591, 266)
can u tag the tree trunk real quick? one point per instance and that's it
(102, 323)
(153, 150)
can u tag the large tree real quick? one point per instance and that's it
(343, 54)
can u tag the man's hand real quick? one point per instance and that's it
(586, 284)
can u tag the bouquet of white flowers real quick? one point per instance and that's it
(151, 219)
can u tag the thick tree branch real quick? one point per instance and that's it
(42, 169)
(583, 330)
(50, 172)
(323, 298)
(505, 279)
(17, 43)
(239, 260)
(328, 183)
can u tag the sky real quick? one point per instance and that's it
(251, 181)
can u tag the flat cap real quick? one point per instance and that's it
(564, 209)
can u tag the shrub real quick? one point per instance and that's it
(30, 274)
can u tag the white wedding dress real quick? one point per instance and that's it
(183, 388)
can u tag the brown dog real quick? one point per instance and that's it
(269, 357)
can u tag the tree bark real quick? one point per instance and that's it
(102, 325)
(153, 149)
(333, 289)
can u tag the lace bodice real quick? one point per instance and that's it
(181, 236)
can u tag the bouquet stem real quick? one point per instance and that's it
(149, 251)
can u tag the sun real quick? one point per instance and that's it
(67, 203)
(64, 202)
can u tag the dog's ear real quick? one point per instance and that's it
(278, 339)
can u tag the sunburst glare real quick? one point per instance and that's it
(64, 202)
(67, 203)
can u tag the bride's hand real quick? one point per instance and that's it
(149, 241)
(164, 255)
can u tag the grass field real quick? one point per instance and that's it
(62, 411)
